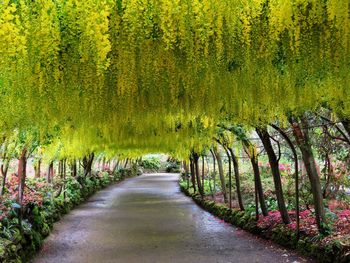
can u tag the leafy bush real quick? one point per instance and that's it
(151, 163)
(172, 166)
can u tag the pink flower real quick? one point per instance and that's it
(282, 167)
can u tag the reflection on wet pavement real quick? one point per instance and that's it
(146, 219)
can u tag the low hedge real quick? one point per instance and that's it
(19, 244)
(331, 252)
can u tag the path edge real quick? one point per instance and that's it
(330, 253)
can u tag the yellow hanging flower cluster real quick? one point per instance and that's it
(149, 75)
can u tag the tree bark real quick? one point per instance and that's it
(203, 173)
(229, 176)
(237, 179)
(214, 172)
(87, 164)
(37, 169)
(185, 165)
(301, 135)
(198, 178)
(208, 176)
(4, 169)
(115, 167)
(126, 163)
(221, 174)
(49, 175)
(265, 138)
(346, 125)
(193, 176)
(74, 168)
(296, 168)
(64, 178)
(257, 179)
(22, 168)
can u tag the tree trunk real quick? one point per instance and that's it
(64, 179)
(22, 168)
(87, 164)
(214, 172)
(221, 174)
(229, 176)
(193, 176)
(198, 178)
(49, 175)
(296, 168)
(185, 165)
(103, 163)
(257, 180)
(237, 179)
(37, 169)
(203, 173)
(265, 138)
(303, 141)
(74, 168)
(115, 167)
(4, 169)
(259, 187)
(346, 124)
(208, 175)
(126, 163)
(328, 174)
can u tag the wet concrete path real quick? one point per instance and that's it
(147, 220)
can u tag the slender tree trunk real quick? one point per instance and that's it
(214, 172)
(185, 165)
(303, 141)
(221, 174)
(49, 175)
(64, 179)
(74, 168)
(346, 125)
(257, 179)
(126, 163)
(265, 138)
(37, 169)
(296, 168)
(237, 179)
(87, 164)
(4, 169)
(198, 178)
(256, 192)
(22, 168)
(203, 173)
(208, 176)
(193, 176)
(103, 163)
(115, 167)
(328, 175)
(229, 176)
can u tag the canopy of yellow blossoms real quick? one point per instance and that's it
(157, 75)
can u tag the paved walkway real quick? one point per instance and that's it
(148, 220)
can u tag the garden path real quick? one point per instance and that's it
(147, 219)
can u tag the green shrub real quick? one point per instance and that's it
(150, 163)
(172, 166)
